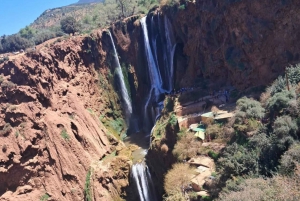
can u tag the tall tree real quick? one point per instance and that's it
(69, 25)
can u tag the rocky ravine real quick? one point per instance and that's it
(50, 133)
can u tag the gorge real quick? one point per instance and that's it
(66, 107)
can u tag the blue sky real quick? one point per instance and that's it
(16, 14)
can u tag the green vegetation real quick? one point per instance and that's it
(186, 147)
(64, 134)
(87, 186)
(8, 85)
(69, 25)
(262, 142)
(177, 179)
(6, 130)
(45, 197)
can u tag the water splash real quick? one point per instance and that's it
(143, 181)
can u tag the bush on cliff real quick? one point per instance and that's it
(177, 180)
(186, 147)
(69, 25)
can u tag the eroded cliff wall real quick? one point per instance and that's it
(52, 141)
(244, 43)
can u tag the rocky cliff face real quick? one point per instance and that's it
(60, 109)
(51, 139)
(243, 43)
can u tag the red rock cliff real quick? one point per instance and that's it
(52, 143)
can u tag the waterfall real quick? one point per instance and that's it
(154, 74)
(124, 92)
(169, 53)
(143, 181)
(154, 101)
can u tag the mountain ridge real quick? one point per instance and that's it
(89, 1)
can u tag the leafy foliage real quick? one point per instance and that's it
(237, 160)
(280, 101)
(293, 73)
(45, 197)
(285, 126)
(177, 179)
(250, 108)
(69, 25)
(214, 131)
(64, 135)
(187, 147)
(14, 43)
(87, 186)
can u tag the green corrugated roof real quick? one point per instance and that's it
(198, 129)
(208, 114)
(200, 134)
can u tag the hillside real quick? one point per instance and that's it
(89, 1)
(52, 17)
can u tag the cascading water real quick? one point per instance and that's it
(124, 92)
(155, 77)
(169, 53)
(143, 181)
(154, 100)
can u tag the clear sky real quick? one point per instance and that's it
(16, 14)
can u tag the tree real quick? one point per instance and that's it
(178, 179)
(250, 108)
(14, 43)
(280, 101)
(238, 160)
(290, 160)
(69, 25)
(27, 32)
(187, 147)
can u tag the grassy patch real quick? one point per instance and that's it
(44, 197)
(87, 186)
(64, 134)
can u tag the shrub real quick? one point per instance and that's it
(280, 101)
(276, 188)
(6, 130)
(178, 178)
(43, 36)
(284, 126)
(237, 160)
(64, 134)
(1, 79)
(250, 108)
(14, 43)
(87, 186)
(69, 25)
(213, 155)
(187, 147)
(293, 73)
(45, 197)
(8, 85)
(214, 131)
(290, 160)
(27, 32)
(173, 120)
(277, 86)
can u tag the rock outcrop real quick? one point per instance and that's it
(52, 142)
(242, 43)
